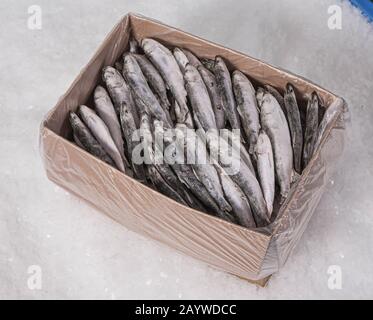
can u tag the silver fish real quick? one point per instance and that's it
(276, 127)
(209, 64)
(266, 169)
(187, 176)
(141, 90)
(223, 79)
(119, 66)
(312, 123)
(87, 140)
(239, 148)
(120, 92)
(164, 61)
(162, 186)
(247, 107)
(102, 134)
(243, 177)
(197, 151)
(134, 46)
(235, 196)
(105, 109)
(155, 80)
(181, 59)
(129, 128)
(164, 169)
(193, 60)
(188, 121)
(293, 117)
(278, 96)
(259, 97)
(199, 98)
(216, 99)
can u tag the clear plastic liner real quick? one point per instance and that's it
(251, 254)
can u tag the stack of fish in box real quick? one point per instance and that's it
(154, 89)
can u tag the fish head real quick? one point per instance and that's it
(100, 93)
(111, 76)
(179, 52)
(148, 45)
(130, 64)
(259, 96)
(314, 98)
(267, 98)
(73, 117)
(191, 74)
(219, 63)
(87, 114)
(144, 122)
(202, 69)
(290, 90)
(181, 58)
(268, 103)
(238, 76)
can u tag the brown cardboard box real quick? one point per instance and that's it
(251, 254)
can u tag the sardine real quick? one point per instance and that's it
(129, 128)
(193, 60)
(119, 66)
(120, 92)
(134, 46)
(312, 123)
(215, 97)
(247, 107)
(87, 140)
(162, 186)
(223, 79)
(278, 96)
(240, 148)
(154, 79)
(106, 111)
(196, 150)
(276, 127)
(243, 177)
(209, 64)
(163, 168)
(164, 61)
(199, 98)
(260, 92)
(235, 196)
(181, 59)
(266, 169)
(102, 134)
(187, 176)
(141, 90)
(293, 116)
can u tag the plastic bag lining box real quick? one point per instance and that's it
(250, 254)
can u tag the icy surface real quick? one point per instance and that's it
(82, 253)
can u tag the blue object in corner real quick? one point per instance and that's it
(366, 6)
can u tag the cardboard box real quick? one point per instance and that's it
(250, 254)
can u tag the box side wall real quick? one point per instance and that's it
(221, 244)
